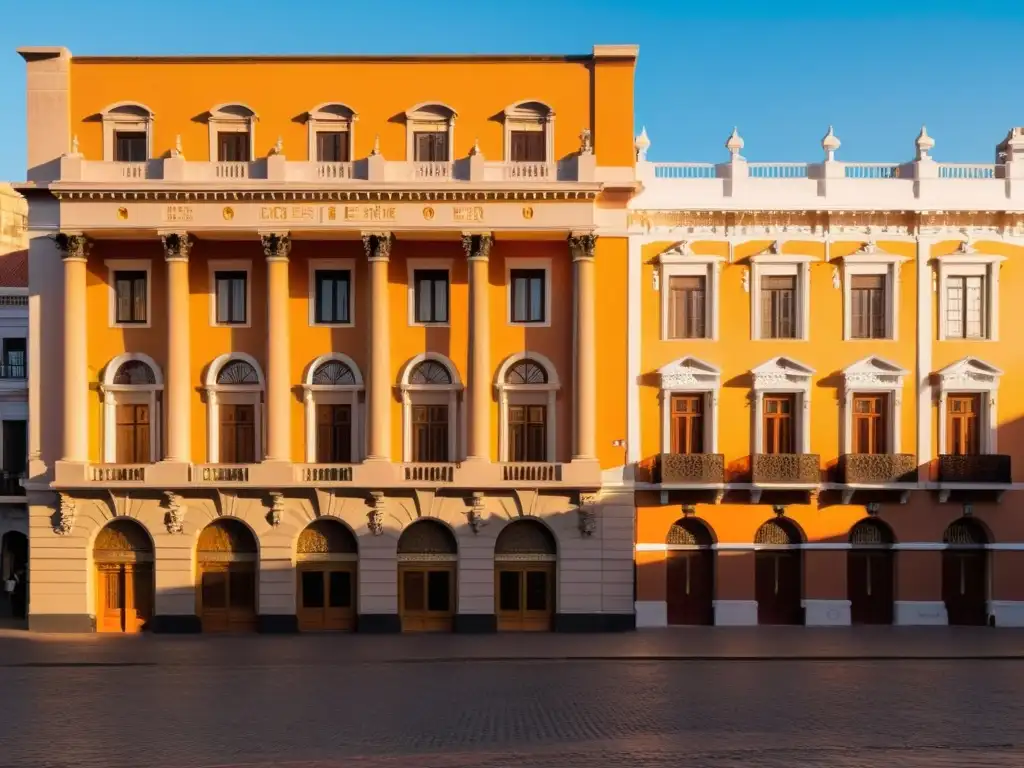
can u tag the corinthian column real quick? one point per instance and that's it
(276, 246)
(478, 248)
(178, 402)
(378, 251)
(584, 444)
(75, 248)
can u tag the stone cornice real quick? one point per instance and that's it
(586, 193)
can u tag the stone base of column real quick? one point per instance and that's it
(826, 613)
(914, 613)
(735, 613)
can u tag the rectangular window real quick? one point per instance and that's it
(334, 434)
(528, 295)
(232, 147)
(779, 431)
(14, 350)
(430, 433)
(237, 434)
(687, 308)
(963, 436)
(527, 433)
(430, 146)
(965, 307)
(333, 292)
(431, 295)
(687, 423)
(869, 424)
(130, 296)
(332, 146)
(130, 146)
(868, 307)
(132, 438)
(231, 288)
(15, 446)
(778, 307)
(528, 147)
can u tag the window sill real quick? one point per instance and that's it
(231, 325)
(530, 324)
(446, 324)
(146, 324)
(680, 339)
(332, 325)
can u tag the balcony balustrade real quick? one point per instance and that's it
(878, 468)
(117, 473)
(323, 473)
(220, 473)
(983, 469)
(515, 472)
(13, 371)
(795, 469)
(690, 468)
(428, 473)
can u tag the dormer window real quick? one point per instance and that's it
(529, 132)
(330, 129)
(430, 130)
(232, 133)
(127, 134)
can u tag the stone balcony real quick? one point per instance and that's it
(795, 470)
(877, 469)
(699, 469)
(983, 469)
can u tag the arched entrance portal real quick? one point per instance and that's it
(123, 554)
(965, 573)
(427, 556)
(778, 573)
(524, 577)
(869, 573)
(326, 557)
(226, 594)
(690, 573)
(14, 570)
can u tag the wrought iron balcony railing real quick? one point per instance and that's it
(869, 468)
(786, 468)
(695, 468)
(979, 468)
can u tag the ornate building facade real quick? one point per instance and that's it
(825, 407)
(323, 342)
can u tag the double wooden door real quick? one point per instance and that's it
(426, 597)
(869, 585)
(227, 596)
(125, 599)
(690, 586)
(964, 589)
(326, 597)
(524, 593)
(777, 585)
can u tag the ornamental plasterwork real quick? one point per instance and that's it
(781, 372)
(873, 373)
(65, 515)
(970, 373)
(175, 520)
(276, 508)
(375, 517)
(587, 514)
(476, 514)
(361, 196)
(689, 373)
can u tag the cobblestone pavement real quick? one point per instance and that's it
(344, 702)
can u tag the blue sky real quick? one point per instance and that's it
(781, 71)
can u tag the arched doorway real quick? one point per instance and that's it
(690, 573)
(123, 554)
(965, 573)
(869, 573)
(427, 556)
(778, 573)
(326, 558)
(14, 571)
(524, 577)
(226, 595)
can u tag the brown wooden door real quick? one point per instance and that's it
(690, 586)
(964, 587)
(869, 585)
(524, 596)
(133, 434)
(777, 585)
(125, 600)
(227, 595)
(333, 434)
(112, 597)
(528, 146)
(779, 426)
(962, 426)
(869, 434)
(430, 433)
(426, 597)
(527, 433)
(688, 423)
(237, 434)
(326, 597)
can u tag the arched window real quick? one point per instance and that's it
(431, 414)
(527, 385)
(529, 139)
(778, 532)
(232, 133)
(688, 532)
(871, 533)
(132, 388)
(234, 406)
(965, 533)
(331, 130)
(127, 134)
(525, 540)
(427, 540)
(430, 139)
(332, 389)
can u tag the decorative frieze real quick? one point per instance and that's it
(375, 517)
(587, 514)
(786, 468)
(276, 508)
(878, 468)
(476, 513)
(696, 468)
(176, 509)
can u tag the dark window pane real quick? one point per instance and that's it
(528, 299)
(430, 146)
(528, 147)
(340, 589)
(231, 297)
(536, 590)
(413, 590)
(130, 297)
(312, 589)
(13, 358)
(439, 590)
(431, 295)
(130, 146)
(332, 296)
(332, 146)
(215, 590)
(508, 590)
(232, 147)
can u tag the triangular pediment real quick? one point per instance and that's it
(969, 373)
(689, 372)
(874, 365)
(781, 371)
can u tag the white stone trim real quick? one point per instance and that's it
(232, 117)
(870, 260)
(232, 394)
(735, 613)
(634, 301)
(783, 375)
(651, 613)
(1007, 613)
(771, 262)
(690, 375)
(429, 116)
(438, 394)
(679, 261)
(412, 265)
(128, 265)
(329, 117)
(528, 394)
(324, 265)
(543, 263)
(965, 263)
(971, 376)
(530, 115)
(826, 613)
(874, 374)
(131, 394)
(230, 265)
(913, 613)
(923, 388)
(126, 116)
(340, 394)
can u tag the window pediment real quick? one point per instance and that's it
(773, 254)
(874, 372)
(871, 253)
(970, 373)
(332, 111)
(682, 252)
(529, 111)
(431, 111)
(782, 372)
(232, 112)
(689, 373)
(127, 111)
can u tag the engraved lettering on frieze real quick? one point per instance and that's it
(288, 213)
(179, 213)
(464, 213)
(369, 212)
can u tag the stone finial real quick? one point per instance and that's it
(642, 144)
(475, 149)
(376, 146)
(278, 147)
(734, 143)
(586, 142)
(830, 143)
(74, 145)
(176, 152)
(924, 143)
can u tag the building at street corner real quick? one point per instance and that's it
(826, 407)
(329, 342)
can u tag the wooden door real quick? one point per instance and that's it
(125, 600)
(326, 597)
(964, 588)
(227, 596)
(237, 434)
(524, 596)
(690, 586)
(426, 597)
(869, 585)
(112, 598)
(777, 585)
(132, 439)
(779, 427)
(962, 426)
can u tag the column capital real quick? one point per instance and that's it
(477, 245)
(276, 245)
(74, 245)
(377, 245)
(176, 245)
(581, 245)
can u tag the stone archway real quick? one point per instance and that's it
(227, 559)
(427, 560)
(327, 559)
(778, 573)
(123, 557)
(965, 573)
(690, 573)
(525, 556)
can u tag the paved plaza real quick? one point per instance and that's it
(705, 697)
